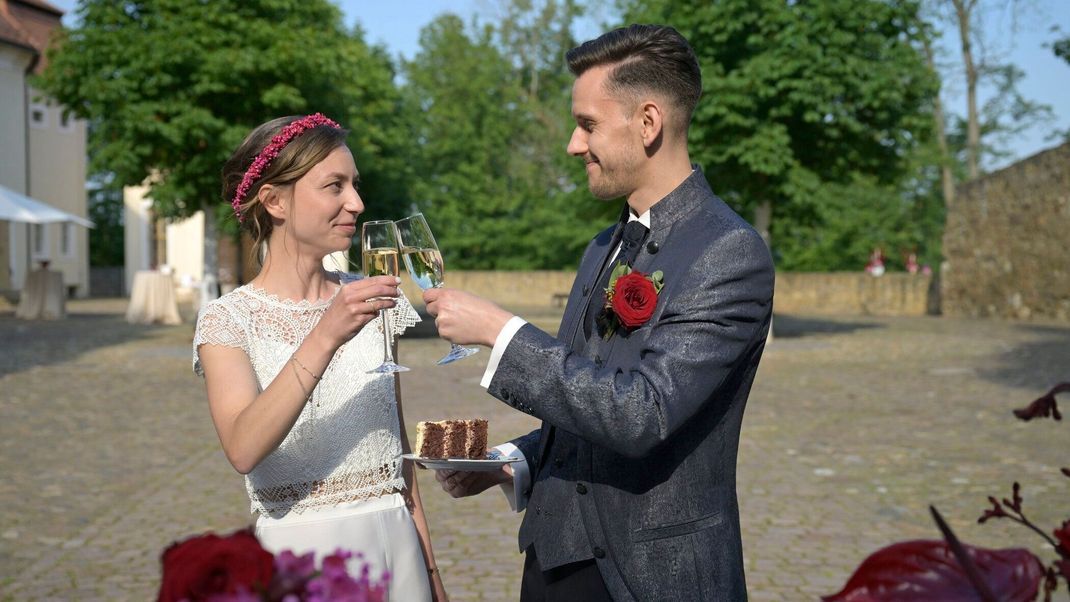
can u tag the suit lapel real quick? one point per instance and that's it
(586, 281)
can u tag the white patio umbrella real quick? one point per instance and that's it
(16, 207)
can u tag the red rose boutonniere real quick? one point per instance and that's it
(630, 299)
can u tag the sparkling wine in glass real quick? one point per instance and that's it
(379, 250)
(424, 262)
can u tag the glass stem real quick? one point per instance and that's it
(386, 335)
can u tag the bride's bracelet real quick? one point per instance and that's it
(294, 359)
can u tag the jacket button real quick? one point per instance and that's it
(505, 395)
(652, 247)
(598, 552)
(581, 488)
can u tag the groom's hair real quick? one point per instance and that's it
(647, 59)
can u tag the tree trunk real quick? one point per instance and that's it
(947, 178)
(963, 12)
(763, 219)
(211, 255)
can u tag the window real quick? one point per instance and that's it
(38, 115)
(66, 240)
(39, 241)
(66, 121)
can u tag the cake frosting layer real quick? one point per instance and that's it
(452, 439)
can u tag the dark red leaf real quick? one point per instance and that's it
(1043, 406)
(927, 570)
(1062, 535)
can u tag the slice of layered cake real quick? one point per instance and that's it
(452, 439)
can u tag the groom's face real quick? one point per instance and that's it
(606, 136)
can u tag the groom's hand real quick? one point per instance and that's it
(464, 318)
(461, 483)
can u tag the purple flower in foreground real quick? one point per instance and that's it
(334, 584)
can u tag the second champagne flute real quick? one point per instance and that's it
(424, 262)
(379, 246)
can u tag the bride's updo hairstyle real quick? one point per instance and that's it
(278, 152)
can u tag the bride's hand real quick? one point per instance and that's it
(356, 304)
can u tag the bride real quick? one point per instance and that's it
(285, 360)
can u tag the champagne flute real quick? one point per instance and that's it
(379, 247)
(424, 262)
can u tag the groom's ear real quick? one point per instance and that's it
(652, 122)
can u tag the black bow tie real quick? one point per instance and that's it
(631, 241)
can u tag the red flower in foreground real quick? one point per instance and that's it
(207, 565)
(634, 299)
(927, 570)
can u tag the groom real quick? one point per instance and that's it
(629, 485)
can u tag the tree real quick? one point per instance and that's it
(489, 106)
(800, 96)
(985, 133)
(171, 87)
(964, 11)
(1061, 48)
(106, 212)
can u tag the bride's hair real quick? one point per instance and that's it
(299, 155)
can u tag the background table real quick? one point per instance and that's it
(152, 299)
(42, 296)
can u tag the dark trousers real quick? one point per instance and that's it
(573, 582)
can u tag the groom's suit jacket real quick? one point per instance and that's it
(635, 463)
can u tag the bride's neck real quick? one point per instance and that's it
(296, 276)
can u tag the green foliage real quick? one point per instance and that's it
(1002, 118)
(489, 107)
(106, 239)
(847, 221)
(1061, 48)
(170, 88)
(805, 103)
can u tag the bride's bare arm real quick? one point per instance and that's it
(252, 423)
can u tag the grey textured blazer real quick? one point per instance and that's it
(649, 483)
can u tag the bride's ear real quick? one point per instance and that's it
(274, 199)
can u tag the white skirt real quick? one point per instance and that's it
(380, 528)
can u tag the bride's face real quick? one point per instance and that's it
(326, 203)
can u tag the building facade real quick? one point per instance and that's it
(42, 153)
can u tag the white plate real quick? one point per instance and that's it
(491, 463)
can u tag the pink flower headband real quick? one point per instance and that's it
(272, 150)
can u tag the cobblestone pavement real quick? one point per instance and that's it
(855, 426)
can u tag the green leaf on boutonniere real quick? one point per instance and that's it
(618, 271)
(659, 280)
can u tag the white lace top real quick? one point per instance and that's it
(346, 444)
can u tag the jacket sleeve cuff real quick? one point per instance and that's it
(516, 492)
(500, 344)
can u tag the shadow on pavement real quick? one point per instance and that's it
(789, 327)
(25, 344)
(1038, 363)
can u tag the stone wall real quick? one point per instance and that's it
(842, 293)
(541, 288)
(852, 293)
(1006, 242)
